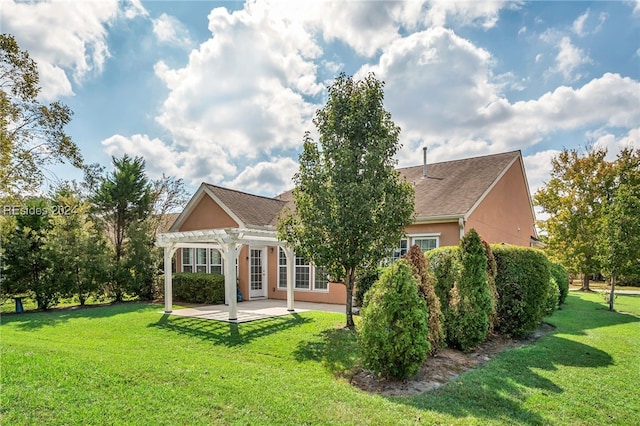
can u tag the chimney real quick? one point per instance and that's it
(424, 162)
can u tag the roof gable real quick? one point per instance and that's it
(454, 188)
(252, 210)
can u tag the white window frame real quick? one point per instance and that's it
(427, 236)
(313, 274)
(198, 265)
(211, 265)
(184, 263)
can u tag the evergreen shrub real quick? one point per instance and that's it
(561, 277)
(393, 330)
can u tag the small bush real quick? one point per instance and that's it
(364, 281)
(561, 278)
(425, 280)
(522, 283)
(393, 330)
(473, 307)
(199, 287)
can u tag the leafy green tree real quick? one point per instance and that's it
(75, 248)
(142, 259)
(619, 246)
(574, 198)
(24, 262)
(393, 332)
(32, 135)
(123, 200)
(351, 205)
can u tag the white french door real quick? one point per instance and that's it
(257, 272)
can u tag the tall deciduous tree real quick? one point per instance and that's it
(574, 198)
(351, 206)
(619, 245)
(32, 135)
(123, 199)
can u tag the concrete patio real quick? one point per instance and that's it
(255, 310)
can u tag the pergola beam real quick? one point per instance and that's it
(230, 241)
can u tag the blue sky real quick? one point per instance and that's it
(223, 92)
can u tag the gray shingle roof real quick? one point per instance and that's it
(251, 209)
(451, 188)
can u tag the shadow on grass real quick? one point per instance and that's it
(33, 320)
(336, 349)
(228, 334)
(499, 389)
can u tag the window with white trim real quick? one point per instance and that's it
(302, 274)
(401, 250)
(426, 243)
(201, 260)
(282, 269)
(306, 275)
(321, 278)
(187, 260)
(215, 261)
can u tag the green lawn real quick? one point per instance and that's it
(130, 364)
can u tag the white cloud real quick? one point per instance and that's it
(168, 29)
(522, 30)
(578, 24)
(614, 144)
(538, 168)
(171, 160)
(267, 177)
(569, 59)
(66, 39)
(484, 14)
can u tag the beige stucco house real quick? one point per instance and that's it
(221, 227)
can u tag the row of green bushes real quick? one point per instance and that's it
(199, 287)
(464, 293)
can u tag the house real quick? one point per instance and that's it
(221, 227)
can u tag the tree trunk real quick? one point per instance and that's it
(348, 282)
(585, 282)
(613, 289)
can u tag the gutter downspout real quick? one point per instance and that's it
(461, 226)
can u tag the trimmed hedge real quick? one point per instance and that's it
(523, 283)
(393, 330)
(445, 265)
(561, 277)
(199, 287)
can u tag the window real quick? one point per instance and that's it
(201, 260)
(302, 274)
(215, 262)
(400, 251)
(426, 243)
(187, 260)
(282, 269)
(321, 279)
(306, 275)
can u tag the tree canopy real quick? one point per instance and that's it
(582, 197)
(32, 134)
(351, 206)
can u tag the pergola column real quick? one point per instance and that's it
(230, 278)
(291, 261)
(168, 278)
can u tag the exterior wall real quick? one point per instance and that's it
(449, 232)
(207, 214)
(505, 216)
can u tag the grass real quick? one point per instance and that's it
(130, 364)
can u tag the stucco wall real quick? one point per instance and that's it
(505, 216)
(449, 232)
(207, 214)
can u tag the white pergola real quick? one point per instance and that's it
(229, 241)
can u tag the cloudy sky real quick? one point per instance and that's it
(223, 92)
